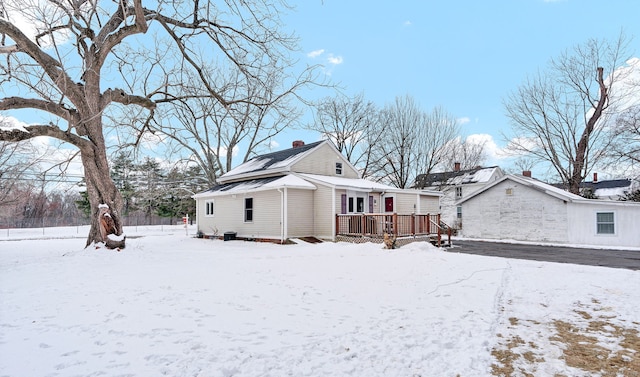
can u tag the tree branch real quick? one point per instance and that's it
(51, 130)
(119, 95)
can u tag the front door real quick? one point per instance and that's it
(388, 204)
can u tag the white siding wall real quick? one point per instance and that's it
(229, 215)
(322, 161)
(582, 224)
(429, 204)
(300, 208)
(323, 212)
(406, 203)
(527, 215)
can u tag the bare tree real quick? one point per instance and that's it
(146, 53)
(351, 123)
(625, 148)
(213, 134)
(413, 141)
(560, 116)
(467, 153)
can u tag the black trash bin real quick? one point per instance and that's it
(229, 236)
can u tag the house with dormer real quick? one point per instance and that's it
(302, 192)
(455, 185)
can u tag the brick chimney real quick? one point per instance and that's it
(297, 143)
(526, 173)
(456, 166)
(595, 177)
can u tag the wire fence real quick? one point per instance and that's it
(79, 226)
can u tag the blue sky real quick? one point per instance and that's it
(465, 56)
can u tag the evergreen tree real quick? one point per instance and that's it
(122, 172)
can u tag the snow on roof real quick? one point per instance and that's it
(469, 176)
(530, 182)
(356, 183)
(253, 185)
(548, 189)
(613, 192)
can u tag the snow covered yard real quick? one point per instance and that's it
(178, 306)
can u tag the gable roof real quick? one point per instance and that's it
(281, 162)
(478, 174)
(613, 183)
(548, 189)
(533, 183)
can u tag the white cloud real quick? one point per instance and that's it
(34, 16)
(273, 145)
(492, 150)
(464, 120)
(11, 123)
(335, 60)
(315, 53)
(407, 23)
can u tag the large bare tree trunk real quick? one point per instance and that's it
(101, 190)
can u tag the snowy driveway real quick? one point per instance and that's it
(629, 259)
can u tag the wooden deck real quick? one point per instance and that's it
(375, 225)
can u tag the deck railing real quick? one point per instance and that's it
(377, 224)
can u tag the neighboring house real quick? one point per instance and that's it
(611, 189)
(455, 185)
(298, 192)
(523, 208)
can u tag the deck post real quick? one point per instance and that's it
(337, 224)
(396, 228)
(413, 224)
(439, 231)
(362, 218)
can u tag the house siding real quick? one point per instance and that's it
(527, 214)
(323, 213)
(322, 161)
(406, 203)
(229, 215)
(582, 224)
(429, 204)
(300, 213)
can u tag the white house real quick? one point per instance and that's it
(523, 208)
(299, 192)
(613, 189)
(455, 185)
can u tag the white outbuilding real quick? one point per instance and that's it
(522, 208)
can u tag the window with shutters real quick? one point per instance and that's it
(248, 210)
(209, 208)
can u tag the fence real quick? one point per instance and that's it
(79, 226)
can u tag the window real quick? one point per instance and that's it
(248, 210)
(509, 191)
(209, 208)
(458, 192)
(360, 205)
(350, 205)
(605, 223)
(459, 212)
(338, 168)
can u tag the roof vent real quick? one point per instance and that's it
(297, 143)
